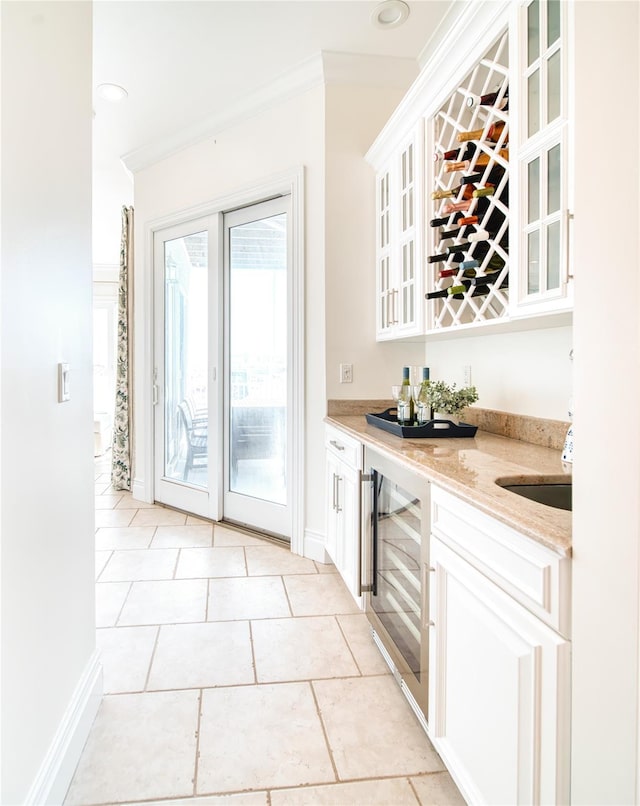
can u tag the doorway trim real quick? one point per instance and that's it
(292, 183)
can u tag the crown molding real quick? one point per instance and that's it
(325, 68)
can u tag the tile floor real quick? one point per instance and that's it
(237, 673)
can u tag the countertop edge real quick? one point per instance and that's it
(528, 524)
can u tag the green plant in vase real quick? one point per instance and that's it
(449, 400)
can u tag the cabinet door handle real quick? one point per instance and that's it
(395, 311)
(333, 500)
(336, 445)
(568, 275)
(338, 507)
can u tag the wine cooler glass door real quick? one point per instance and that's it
(399, 598)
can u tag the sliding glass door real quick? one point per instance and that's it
(257, 423)
(183, 425)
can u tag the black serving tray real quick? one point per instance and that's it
(388, 421)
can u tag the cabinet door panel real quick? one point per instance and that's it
(497, 715)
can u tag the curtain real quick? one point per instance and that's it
(123, 421)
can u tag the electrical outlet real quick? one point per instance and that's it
(467, 375)
(346, 373)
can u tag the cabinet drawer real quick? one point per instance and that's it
(347, 449)
(535, 576)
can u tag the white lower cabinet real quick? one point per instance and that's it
(343, 466)
(499, 692)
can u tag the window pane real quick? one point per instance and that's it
(258, 358)
(533, 31)
(533, 271)
(554, 180)
(533, 190)
(185, 359)
(553, 21)
(553, 255)
(553, 87)
(533, 102)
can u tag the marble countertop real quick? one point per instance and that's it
(469, 467)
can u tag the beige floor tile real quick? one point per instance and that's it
(202, 656)
(372, 730)
(127, 537)
(260, 737)
(127, 501)
(300, 649)
(274, 560)
(165, 602)
(222, 536)
(214, 562)
(113, 517)
(320, 595)
(140, 746)
(325, 568)
(110, 597)
(357, 631)
(107, 501)
(385, 792)
(125, 653)
(102, 487)
(192, 520)
(101, 560)
(188, 536)
(437, 789)
(247, 598)
(157, 516)
(135, 565)
(103, 474)
(237, 799)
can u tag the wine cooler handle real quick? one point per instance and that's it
(365, 478)
(568, 275)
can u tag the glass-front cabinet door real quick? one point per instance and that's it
(544, 210)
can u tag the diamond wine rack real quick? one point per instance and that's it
(468, 238)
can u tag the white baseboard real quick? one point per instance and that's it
(314, 546)
(139, 491)
(56, 771)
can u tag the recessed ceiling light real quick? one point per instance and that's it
(112, 92)
(390, 14)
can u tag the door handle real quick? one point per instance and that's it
(154, 394)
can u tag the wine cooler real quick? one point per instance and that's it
(397, 598)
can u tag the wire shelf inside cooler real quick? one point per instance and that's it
(485, 296)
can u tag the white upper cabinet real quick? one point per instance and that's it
(544, 204)
(478, 218)
(399, 285)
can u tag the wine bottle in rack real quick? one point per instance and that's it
(443, 221)
(454, 207)
(490, 99)
(452, 193)
(481, 161)
(459, 153)
(494, 132)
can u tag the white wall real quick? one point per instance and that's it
(47, 522)
(524, 372)
(285, 137)
(354, 117)
(607, 378)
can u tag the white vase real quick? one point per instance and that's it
(440, 415)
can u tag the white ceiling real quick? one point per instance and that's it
(183, 60)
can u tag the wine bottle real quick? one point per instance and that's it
(436, 294)
(490, 99)
(456, 153)
(423, 413)
(454, 207)
(405, 401)
(481, 160)
(449, 193)
(487, 190)
(468, 272)
(439, 222)
(493, 133)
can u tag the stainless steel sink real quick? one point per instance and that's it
(551, 494)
